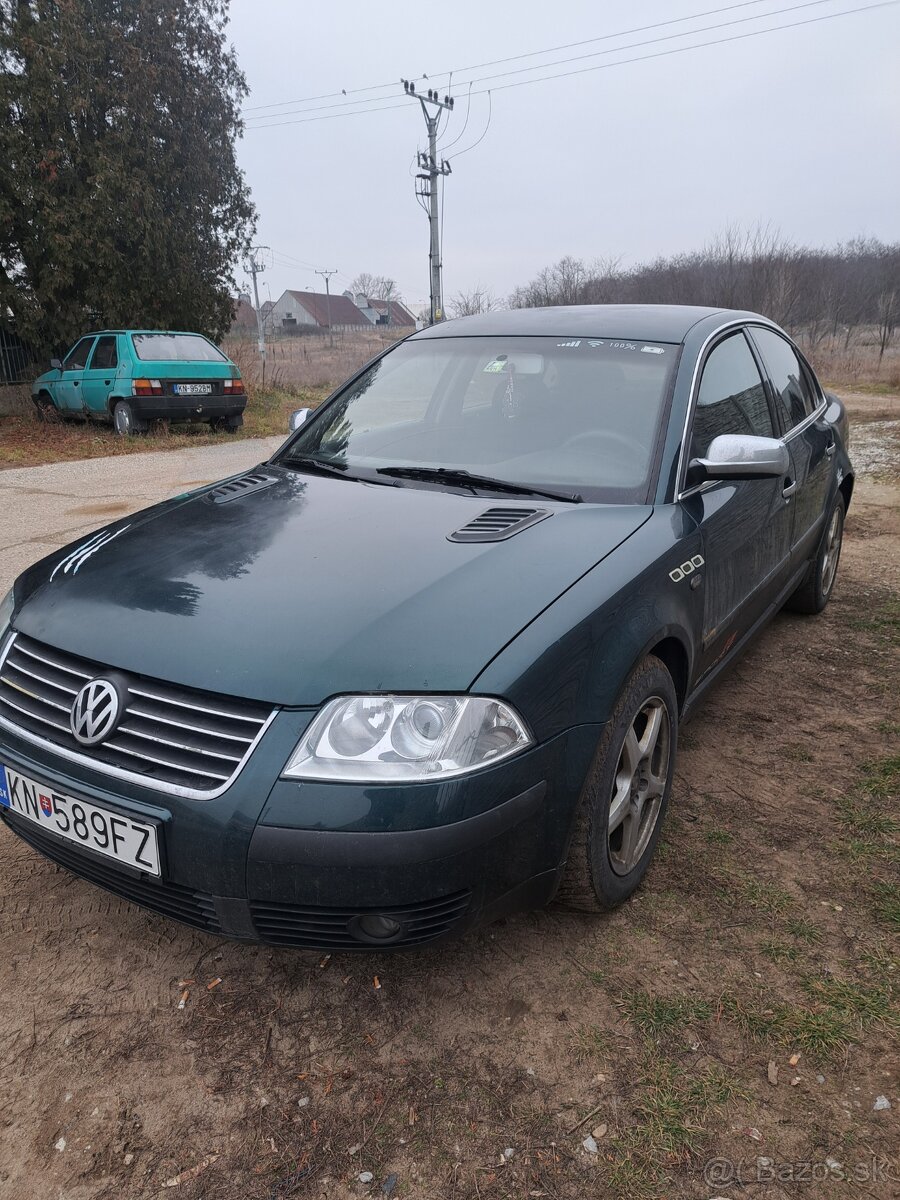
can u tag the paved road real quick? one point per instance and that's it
(43, 508)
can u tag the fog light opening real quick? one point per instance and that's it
(376, 927)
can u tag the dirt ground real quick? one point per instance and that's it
(730, 1032)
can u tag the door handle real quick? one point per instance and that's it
(789, 488)
(74, 383)
(107, 382)
(831, 447)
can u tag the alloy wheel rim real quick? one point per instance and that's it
(832, 552)
(640, 783)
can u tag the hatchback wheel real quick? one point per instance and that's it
(625, 795)
(815, 590)
(46, 409)
(124, 420)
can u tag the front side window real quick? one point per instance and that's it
(731, 398)
(793, 391)
(77, 357)
(581, 415)
(175, 347)
(104, 357)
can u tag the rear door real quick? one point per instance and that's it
(100, 374)
(68, 390)
(745, 524)
(801, 410)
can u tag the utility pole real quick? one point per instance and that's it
(254, 266)
(326, 275)
(431, 170)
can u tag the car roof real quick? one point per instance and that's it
(647, 322)
(170, 332)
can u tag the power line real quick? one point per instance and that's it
(620, 63)
(377, 87)
(484, 132)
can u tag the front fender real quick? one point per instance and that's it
(567, 667)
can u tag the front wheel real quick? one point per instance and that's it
(125, 422)
(815, 591)
(626, 794)
(46, 409)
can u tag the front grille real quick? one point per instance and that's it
(170, 899)
(171, 738)
(329, 928)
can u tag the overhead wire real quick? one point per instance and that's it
(512, 58)
(609, 65)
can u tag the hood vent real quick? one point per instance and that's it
(496, 524)
(253, 481)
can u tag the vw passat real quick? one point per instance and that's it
(430, 660)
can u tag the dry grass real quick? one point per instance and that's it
(856, 364)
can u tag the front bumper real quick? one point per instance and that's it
(298, 864)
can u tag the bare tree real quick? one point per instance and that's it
(375, 287)
(468, 304)
(363, 284)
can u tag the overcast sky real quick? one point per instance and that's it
(799, 128)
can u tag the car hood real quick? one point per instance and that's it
(311, 587)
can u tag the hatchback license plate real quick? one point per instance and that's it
(193, 389)
(131, 842)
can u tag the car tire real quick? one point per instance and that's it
(815, 591)
(229, 424)
(626, 794)
(125, 422)
(46, 409)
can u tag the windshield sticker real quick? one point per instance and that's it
(566, 345)
(652, 350)
(82, 553)
(622, 346)
(496, 365)
(595, 342)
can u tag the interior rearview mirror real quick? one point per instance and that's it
(740, 456)
(298, 416)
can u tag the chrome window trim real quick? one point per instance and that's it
(152, 785)
(814, 416)
(739, 323)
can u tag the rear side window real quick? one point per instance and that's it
(175, 347)
(793, 391)
(732, 398)
(104, 357)
(77, 357)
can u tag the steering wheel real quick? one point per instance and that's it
(608, 435)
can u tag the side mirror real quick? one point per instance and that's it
(740, 456)
(56, 364)
(298, 416)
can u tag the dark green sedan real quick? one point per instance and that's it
(428, 663)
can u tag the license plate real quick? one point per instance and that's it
(98, 829)
(193, 389)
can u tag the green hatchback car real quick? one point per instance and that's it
(130, 377)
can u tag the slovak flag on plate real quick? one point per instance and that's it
(46, 805)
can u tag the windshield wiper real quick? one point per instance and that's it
(315, 464)
(458, 477)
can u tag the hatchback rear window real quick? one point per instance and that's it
(175, 347)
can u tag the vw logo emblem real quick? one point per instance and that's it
(95, 712)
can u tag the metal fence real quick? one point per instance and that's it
(17, 360)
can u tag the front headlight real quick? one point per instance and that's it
(382, 739)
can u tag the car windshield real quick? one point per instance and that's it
(175, 347)
(575, 415)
